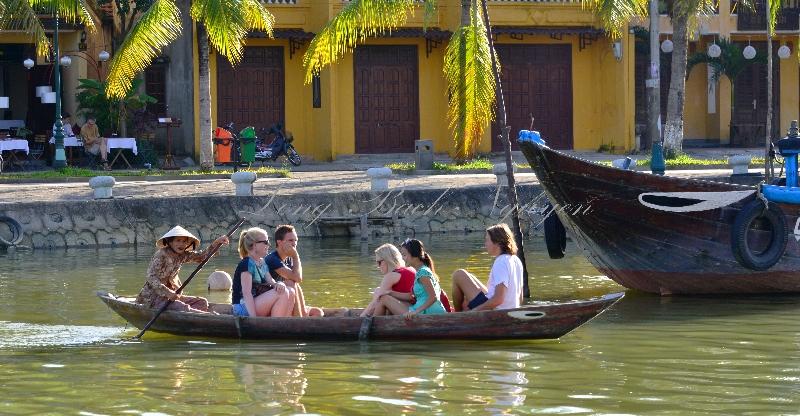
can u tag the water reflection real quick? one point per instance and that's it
(280, 387)
(62, 351)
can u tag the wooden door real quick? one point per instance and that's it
(537, 79)
(252, 94)
(386, 99)
(748, 122)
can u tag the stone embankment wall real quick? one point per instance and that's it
(140, 221)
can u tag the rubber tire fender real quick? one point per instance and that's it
(555, 236)
(741, 225)
(16, 231)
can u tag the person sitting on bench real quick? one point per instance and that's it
(93, 143)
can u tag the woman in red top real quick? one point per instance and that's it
(396, 277)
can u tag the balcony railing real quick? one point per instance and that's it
(788, 17)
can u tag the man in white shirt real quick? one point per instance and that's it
(66, 125)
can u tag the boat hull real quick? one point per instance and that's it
(672, 250)
(547, 321)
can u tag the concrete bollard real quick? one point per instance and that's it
(500, 171)
(379, 178)
(102, 186)
(244, 182)
(739, 163)
(219, 280)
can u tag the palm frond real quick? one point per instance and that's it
(257, 17)
(226, 26)
(470, 85)
(430, 7)
(19, 15)
(357, 21)
(158, 27)
(615, 14)
(70, 10)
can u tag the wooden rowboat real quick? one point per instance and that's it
(663, 234)
(541, 321)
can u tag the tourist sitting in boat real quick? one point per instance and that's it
(396, 276)
(176, 247)
(285, 266)
(255, 292)
(426, 291)
(504, 289)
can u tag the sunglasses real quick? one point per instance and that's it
(262, 241)
(378, 262)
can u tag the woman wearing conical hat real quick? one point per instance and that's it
(176, 247)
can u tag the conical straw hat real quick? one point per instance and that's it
(178, 231)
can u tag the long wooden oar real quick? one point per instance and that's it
(186, 282)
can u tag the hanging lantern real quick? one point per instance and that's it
(714, 50)
(784, 52)
(749, 52)
(28, 63)
(65, 60)
(667, 46)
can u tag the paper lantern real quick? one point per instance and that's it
(41, 90)
(784, 52)
(49, 98)
(749, 52)
(714, 50)
(667, 46)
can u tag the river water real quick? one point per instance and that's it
(63, 352)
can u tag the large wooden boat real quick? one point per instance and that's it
(661, 234)
(543, 321)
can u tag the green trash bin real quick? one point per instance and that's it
(247, 145)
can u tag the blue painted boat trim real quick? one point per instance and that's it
(784, 194)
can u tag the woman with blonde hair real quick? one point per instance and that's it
(504, 288)
(396, 277)
(255, 292)
(426, 294)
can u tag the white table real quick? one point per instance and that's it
(13, 146)
(121, 143)
(69, 141)
(10, 124)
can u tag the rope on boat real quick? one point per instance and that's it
(366, 327)
(760, 195)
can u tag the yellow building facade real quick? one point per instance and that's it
(558, 66)
(709, 113)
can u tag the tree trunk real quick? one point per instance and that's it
(504, 129)
(673, 130)
(653, 81)
(206, 146)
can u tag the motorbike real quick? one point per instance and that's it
(281, 145)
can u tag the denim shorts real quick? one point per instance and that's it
(479, 300)
(240, 310)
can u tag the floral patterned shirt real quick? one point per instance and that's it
(162, 275)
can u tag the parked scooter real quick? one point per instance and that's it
(281, 145)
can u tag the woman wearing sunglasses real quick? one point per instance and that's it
(255, 292)
(396, 277)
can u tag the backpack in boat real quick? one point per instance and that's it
(445, 301)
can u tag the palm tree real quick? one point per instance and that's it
(22, 15)
(684, 14)
(219, 23)
(470, 68)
